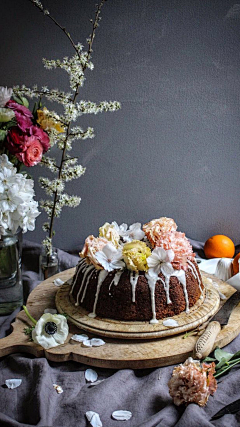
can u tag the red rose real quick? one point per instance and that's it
(15, 140)
(32, 153)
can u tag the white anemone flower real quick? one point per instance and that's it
(160, 261)
(6, 115)
(134, 232)
(110, 257)
(5, 95)
(50, 330)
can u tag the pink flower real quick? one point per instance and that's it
(41, 136)
(156, 227)
(28, 149)
(22, 114)
(192, 382)
(93, 245)
(32, 151)
(180, 245)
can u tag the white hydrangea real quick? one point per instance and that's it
(5, 95)
(17, 207)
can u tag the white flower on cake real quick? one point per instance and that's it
(160, 261)
(50, 330)
(110, 257)
(133, 233)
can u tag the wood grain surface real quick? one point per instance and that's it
(116, 353)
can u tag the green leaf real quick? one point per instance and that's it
(236, 355)
(222, 362)
(25, 102)
(21, 100)
(3, 134)
(209, 359)
(220, 354)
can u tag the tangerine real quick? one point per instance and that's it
(219, 246)
(235, 264)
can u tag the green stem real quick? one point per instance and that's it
(222, 371)
(29, 315)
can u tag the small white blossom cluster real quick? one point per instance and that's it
(59, 126)
(17, 207)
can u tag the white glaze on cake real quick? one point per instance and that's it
(88, 271)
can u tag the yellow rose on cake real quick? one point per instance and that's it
(135, 255)
(109, 232)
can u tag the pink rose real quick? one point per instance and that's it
(32, 151)
(41, 136)
(23, 115)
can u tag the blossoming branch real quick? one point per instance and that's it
(60, 128)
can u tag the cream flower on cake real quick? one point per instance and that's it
(109, 232)
(156, 227)
(160, 261)
(110, 258)
(50, 330)
(133, 233)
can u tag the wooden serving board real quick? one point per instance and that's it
(116, 353)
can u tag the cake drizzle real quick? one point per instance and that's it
(85, 271)
(133, 280)
(196, 275)
(86, 285)
(101, 277)
(152, 283)
(116, 278)
(79, 267)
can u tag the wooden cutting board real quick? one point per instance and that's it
(116, 353)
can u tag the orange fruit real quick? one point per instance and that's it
(219, 246)
(235, 264)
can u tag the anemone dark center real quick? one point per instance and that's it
(50, 328)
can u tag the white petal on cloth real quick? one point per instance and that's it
(94, 419)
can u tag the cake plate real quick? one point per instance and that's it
(117, 353)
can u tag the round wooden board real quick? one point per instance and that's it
(205, 308)
(116, 353)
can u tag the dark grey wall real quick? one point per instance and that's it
(173, 149)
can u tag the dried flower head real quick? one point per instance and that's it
(192, 382)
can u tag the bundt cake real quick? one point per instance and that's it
(137, 274)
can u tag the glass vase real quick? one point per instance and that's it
(11, 289)
(48, 264)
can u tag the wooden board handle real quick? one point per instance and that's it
(205, 343)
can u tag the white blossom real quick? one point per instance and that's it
(17, 207)
(110, 258)
(5, 95)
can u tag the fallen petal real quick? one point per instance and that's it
(121, 415)
(96, 342)
(170, 323)
(96, 383)
(94, 419)
(91, 375)
(79, 338)
(58, 388)
(58, 282)
(87, 343)
(13, 383)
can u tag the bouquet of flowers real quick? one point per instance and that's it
(22, 142)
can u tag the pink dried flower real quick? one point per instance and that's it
(192, 382)
(91, 246)
(180, 245)
(156, 227)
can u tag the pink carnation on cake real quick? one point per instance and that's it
(22, 114)
(156, 227)
(192, 382)
(91, 246)
(181, 247)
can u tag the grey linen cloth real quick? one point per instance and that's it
(143, 392)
